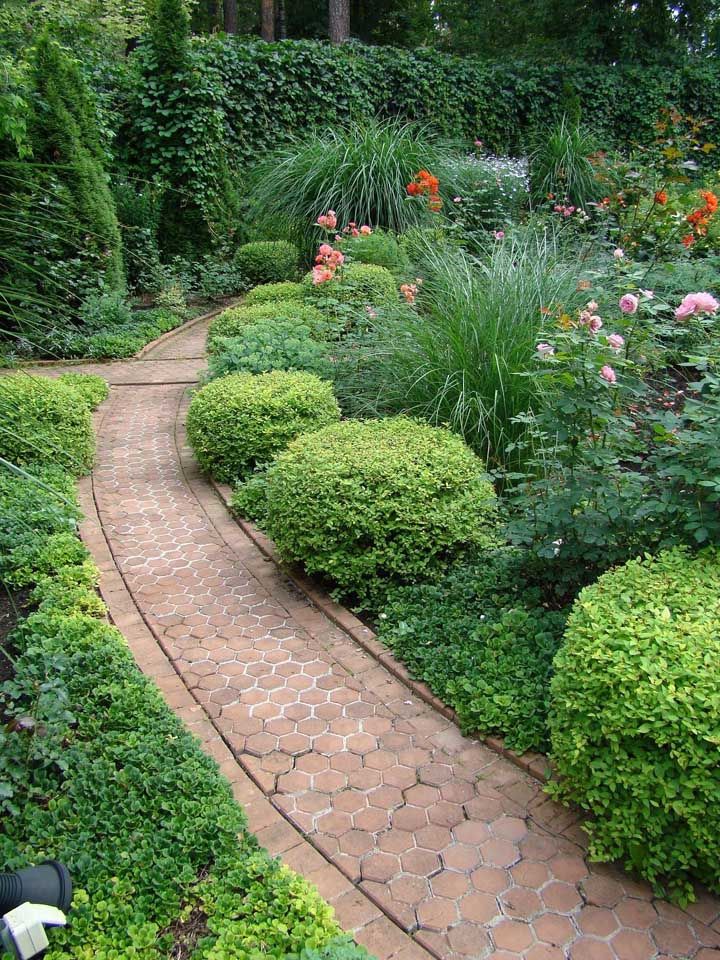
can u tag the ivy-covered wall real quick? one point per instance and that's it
(269, 91)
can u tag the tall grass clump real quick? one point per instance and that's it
(560, 164)
(361, 171)
(458, 358)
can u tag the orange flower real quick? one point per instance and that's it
(688, 240)
(414, 189)
(711, 201)
(661, 197)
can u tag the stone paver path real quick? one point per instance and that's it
(457, 845)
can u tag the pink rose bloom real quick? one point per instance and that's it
(595, 324)
(321, 275)
(545, 349)
(618, 253)
(365, 230)
(325, 250)
(695, 303)
(629, 303)
(478, 143)
(331, 219)
(615, 341)
(457, 199)
(338, 237)
(592, 306)
(647, 293)
(608, 374)
(585, 318)
(499, 234)
(335, 258)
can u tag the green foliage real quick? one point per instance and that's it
(560, 165)
(489, 192)
(270, 345)
(357, 284)
(380, 247)
(268, 261)
(41, 420)
(341, 948)
(268, 93)
(177, 134)
(243, 420)
(90, 388)
(460, 358)
(375, 503)
(230, 323)
(482, 638)
(360, 171)
(273, 292)
(635, 717)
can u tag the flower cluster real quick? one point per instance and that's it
(425, 184)
(353, 230)
(328, 221)
(410, 290)
(696, 303)
(700, 218)
(326, 263)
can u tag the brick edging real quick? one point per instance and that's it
(535, 764)
(355, 910)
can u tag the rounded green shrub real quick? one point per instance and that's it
(635, 717)
(268, 261)
(379, 247)
(286, 290)
(359, 284)
(378, 502)
(242, 420)
(232, 322)
(42, 421)
(270, 345)
(90, 388)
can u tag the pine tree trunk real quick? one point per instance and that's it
(267, 30)
(339, 20)
(230, 16)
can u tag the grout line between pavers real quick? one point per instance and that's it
(170, 682)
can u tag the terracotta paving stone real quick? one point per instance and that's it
(453, 841)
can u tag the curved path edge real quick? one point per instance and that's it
(355, 910)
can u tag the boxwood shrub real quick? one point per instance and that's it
(268, 261)
(231, 322)
(43, 420)
(635, 717)
(91, 389)
(270, 345)
(242, 420)
(358, 284)
(372, 503)
(285, 290)
(379, 247)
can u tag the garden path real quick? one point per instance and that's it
(456, 845)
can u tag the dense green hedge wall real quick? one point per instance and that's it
(270, 91)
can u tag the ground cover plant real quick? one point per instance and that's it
(98, 772)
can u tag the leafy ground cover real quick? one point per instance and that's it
(97, 772)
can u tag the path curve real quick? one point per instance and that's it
(460, 849)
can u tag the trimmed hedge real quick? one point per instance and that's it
(91, 389)
(505, 103)
(285, 290)
(357, 284)
(635, 717)
(268, 261)
(232, 322)
(44, 420)
(242, 420)
(379, 247)
(373, 503)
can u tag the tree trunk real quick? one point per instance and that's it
(339, 20)
(267, 31)
(230, 16)
(282, 21)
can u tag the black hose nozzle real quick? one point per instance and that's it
(48, 883)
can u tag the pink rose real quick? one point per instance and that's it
(592, 306)
(325, 250)
(607, 373)
(545, 349)
(629, 303)
(618, 253)
(499, 234)
(615, 341)
(595, 324)
(478, 143)
(365, 230)
(321, 275)
(695, 303)
(457, 199)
